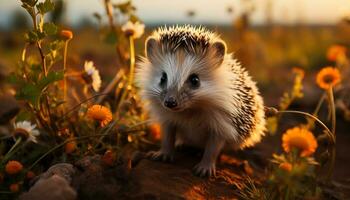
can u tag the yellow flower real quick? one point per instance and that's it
(286, 166)
(133, 29)
(13, 167)
(301, 139)
(336, 51)
(328, 77)
(66, 34)
(100, 113)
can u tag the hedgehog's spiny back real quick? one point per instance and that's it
(190, 39)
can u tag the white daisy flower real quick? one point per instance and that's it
(133, 29)
(93, 74)
(26, 130)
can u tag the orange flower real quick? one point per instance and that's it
(155, 131)
(336, 51)
(298, 71)
(109, 158)
(66, 34)
(100, 113)
(13, 167)
(30, 175)
(301, 139)
(70, 147)
(328, 77)
(14, 187)
(286, 166)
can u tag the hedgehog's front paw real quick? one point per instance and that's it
(205, 169)
(160, 156)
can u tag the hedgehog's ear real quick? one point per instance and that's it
(219, 51)
(151, 49)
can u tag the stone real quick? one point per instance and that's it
(53, 188)
(64, 170)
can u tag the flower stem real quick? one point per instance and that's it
(332, 107)
(65, 70)
(132, 60)
(24, 52)
(317, 109)
(131, 72)
(11, 151)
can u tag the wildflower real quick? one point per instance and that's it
(14, 187)
(328, 77)
(155, 131)
(109, 158)
(298, 71)
(301, 139)
(336, 51)
(66, 34)
(100, 113)
(30, 175)
(133, 29)
(70, 146)
(92, 76)
(13, 167)
(26, 130)
(286, 166)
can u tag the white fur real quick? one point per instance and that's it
(215, 95)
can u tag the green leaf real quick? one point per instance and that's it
(29, 92)
(50, 78)
(50, 28)
(12, 78)
(45, 7)
(33, 36)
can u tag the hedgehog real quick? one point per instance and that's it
(200, 95)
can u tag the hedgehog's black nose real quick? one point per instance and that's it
(170, 102)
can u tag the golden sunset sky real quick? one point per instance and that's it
(207, 11)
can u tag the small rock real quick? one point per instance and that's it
(95, 180)
(52, 188)
(64, 170)
(88, 161)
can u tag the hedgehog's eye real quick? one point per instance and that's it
(163, 79)
(194, 80)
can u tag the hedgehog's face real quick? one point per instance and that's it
(180, 80)
(177, 88)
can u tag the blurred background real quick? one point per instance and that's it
(269, 37)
